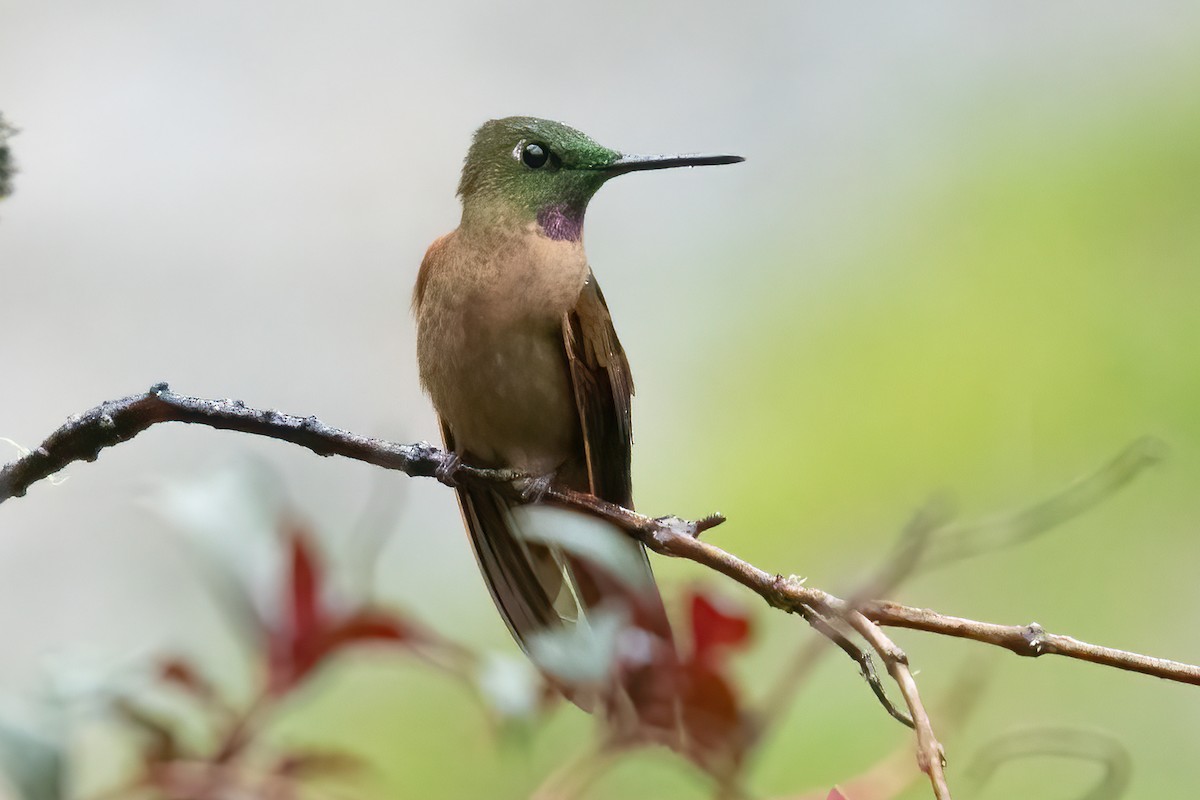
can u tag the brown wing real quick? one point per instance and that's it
(603, 389)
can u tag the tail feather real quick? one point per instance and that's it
(524, 580)
(538, 584)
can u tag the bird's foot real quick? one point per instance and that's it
(535, 487)
(445, 470)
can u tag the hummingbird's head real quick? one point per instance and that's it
(536, 169)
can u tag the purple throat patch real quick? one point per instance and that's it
(561, 223)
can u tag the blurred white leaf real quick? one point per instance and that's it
(580, 654)
(88, 682)
(85, 681)
(352, 556)
(229, 517)
(511, 685)
(586, 537)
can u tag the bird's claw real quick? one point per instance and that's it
(445, 470)
(535, 488)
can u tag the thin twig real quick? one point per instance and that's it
(955, 543)
(1073, 743)
(895, 773)
(866, 666)
(1030, 640)
(573, 778)
(891, 572)
(931, 758)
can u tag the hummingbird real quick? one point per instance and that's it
(517, 351)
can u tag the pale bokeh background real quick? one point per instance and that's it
(963, 254)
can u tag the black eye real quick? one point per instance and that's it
(534, 155)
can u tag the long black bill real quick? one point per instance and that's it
(636, 163)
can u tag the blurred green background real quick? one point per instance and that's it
(963, 255)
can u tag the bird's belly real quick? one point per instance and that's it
(506, 395)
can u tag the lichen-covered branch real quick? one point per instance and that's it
(84, 436)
